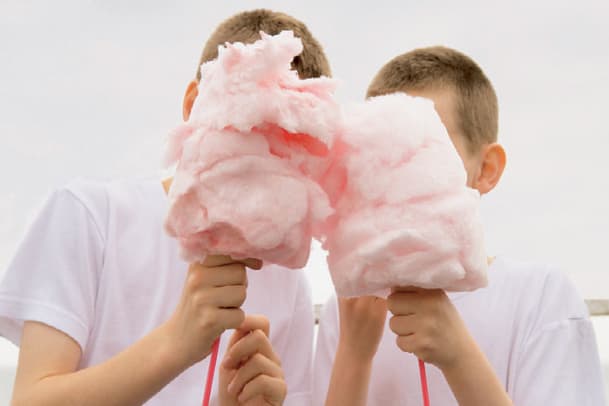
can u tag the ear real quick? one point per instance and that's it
(189, 98)
(492, 164)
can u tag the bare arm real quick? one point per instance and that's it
(350, 380)
(473, 381)
(362, 321)
(48, 373)
(48, 362)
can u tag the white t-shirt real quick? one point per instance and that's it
(530, 323)
(97, 265)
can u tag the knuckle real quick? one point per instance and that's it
(393, 323)
(210, 321)
(193, 280)
(259, 335)
(266, 324)
(199, 299)
(396, 324)
(239, 317)
(425, 346)
(422, 345)
(257, 359)
(283, 389)
(391, 302)
(240, 295)
(237, 268)
(402, 343)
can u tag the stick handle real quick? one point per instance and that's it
(424, 389)
(210, 372)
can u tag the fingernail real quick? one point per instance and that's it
(230, 387)
(227, 362)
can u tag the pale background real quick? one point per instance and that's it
(90, 88)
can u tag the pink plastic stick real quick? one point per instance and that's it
(210, 372)
(424, 388)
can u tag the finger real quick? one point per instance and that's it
(412, 289)
(225, 275)
(247, 346)
(252, 343)
(230, 318)
(252, 263)
(219, 260)
(251, 323)
(233, 270)
(256, 401)
(226, 297)
(256, 322)
(225, 376)
(403, 325)
(406, 343)
(256, 365)
(403, 303)
(272, 389)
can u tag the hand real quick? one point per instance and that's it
(428, 326)
(362, 322)
(251, 373)
(210, 303)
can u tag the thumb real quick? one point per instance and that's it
(252, 322)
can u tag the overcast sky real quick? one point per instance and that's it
(91, 88)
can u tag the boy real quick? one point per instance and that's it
(526, 338)
(106, 313)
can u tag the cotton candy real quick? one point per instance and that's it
(268, 161)
(250, 156)
(404, 216)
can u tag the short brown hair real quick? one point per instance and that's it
(245, 27)
(437, 67)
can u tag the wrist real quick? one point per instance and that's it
(473, 381)
(350, 379)
(462, 355)
(170, 349)
(352, 353)
(467, 356)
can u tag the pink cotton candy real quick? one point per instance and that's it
(405, 216)
(267, 161)
(251, 85)
(247, 157)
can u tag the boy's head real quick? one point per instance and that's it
(245, 27)
(464, 99)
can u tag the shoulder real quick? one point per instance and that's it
(103, 199)
(88, 194)
(100, 194)
(543, 291)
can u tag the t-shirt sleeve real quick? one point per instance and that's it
(298, 359)
(325, 349)
(559, 362)
(52, 278)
